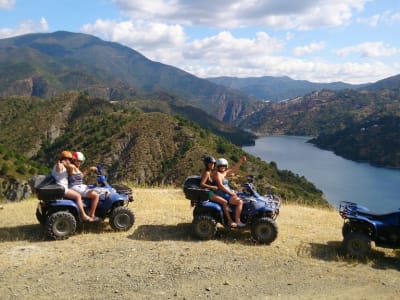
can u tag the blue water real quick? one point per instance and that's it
(338, 178)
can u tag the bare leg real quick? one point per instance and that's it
(93, 203)
(224, 204)
(239, 206)
(71, 194)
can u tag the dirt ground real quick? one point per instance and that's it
(158, 258)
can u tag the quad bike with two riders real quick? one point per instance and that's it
(259, 212)
(60, 216)
(361, 227)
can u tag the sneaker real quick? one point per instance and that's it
(240, 224)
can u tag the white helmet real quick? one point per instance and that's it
(78, 156)
(222, 162)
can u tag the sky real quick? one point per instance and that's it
(353, 41)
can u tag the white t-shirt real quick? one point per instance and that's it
(62, 177)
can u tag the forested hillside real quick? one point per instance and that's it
(355, 124)
(142, 148)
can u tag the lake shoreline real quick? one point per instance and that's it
(339, 179)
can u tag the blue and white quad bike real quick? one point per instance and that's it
(259, 212)
(361, 226)
(60, 216)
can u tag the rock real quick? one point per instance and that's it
(14, 189)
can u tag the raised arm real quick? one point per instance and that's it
(236, 167)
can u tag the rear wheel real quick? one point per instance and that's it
(264, 230)
(357, 244)
(122, 218)
(204, 227)
(60, 225)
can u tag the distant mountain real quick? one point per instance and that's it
(390, 83)
(48, 64)
(278, 88)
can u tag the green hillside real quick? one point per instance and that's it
(341, 120)
(142, 148)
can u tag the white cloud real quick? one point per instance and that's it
(7, 4)
(24, 28)
(156, 41)
(308, 49)
(369, 49)
(288, 14)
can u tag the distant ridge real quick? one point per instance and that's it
(279, 88)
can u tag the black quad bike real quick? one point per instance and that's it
(259, 212)
(60, 216)
(361, 227)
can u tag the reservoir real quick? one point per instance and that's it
(339, 179)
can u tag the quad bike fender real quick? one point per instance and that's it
(69, 205)
(63, 202)
(362, 224)
(209, 207)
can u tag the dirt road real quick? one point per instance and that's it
(158, 258)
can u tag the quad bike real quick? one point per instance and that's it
(259, 212)
(60, 216)
(362, 226)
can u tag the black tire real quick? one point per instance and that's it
(357, 244)
(122, 218)
(40, 217)
(264, 230)
(204, 227)
(60, 225)
(346, 229)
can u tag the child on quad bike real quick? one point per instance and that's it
(224, 189)
(60, 175)
(75, 180)
(207, 182)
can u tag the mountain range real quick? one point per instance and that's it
(45, 65)
(275, 89)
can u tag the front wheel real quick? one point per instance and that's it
(264, 230)
(357, 244)
(204, 227)
(122, 218)
(61, 225)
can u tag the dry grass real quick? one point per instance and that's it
(158, 258)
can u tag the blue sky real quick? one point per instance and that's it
(354, 41)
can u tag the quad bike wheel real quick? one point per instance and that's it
(61, 225)
(204, 227)
(122, 218)
(264, 230)
(357, 244)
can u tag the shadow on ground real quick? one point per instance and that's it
(182, 232)
(36, 232)
(333, 251)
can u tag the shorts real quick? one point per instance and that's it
(81, 189)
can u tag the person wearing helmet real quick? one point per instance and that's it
(207, 182)
(75, 180)
(60, 174)
(224, 189)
